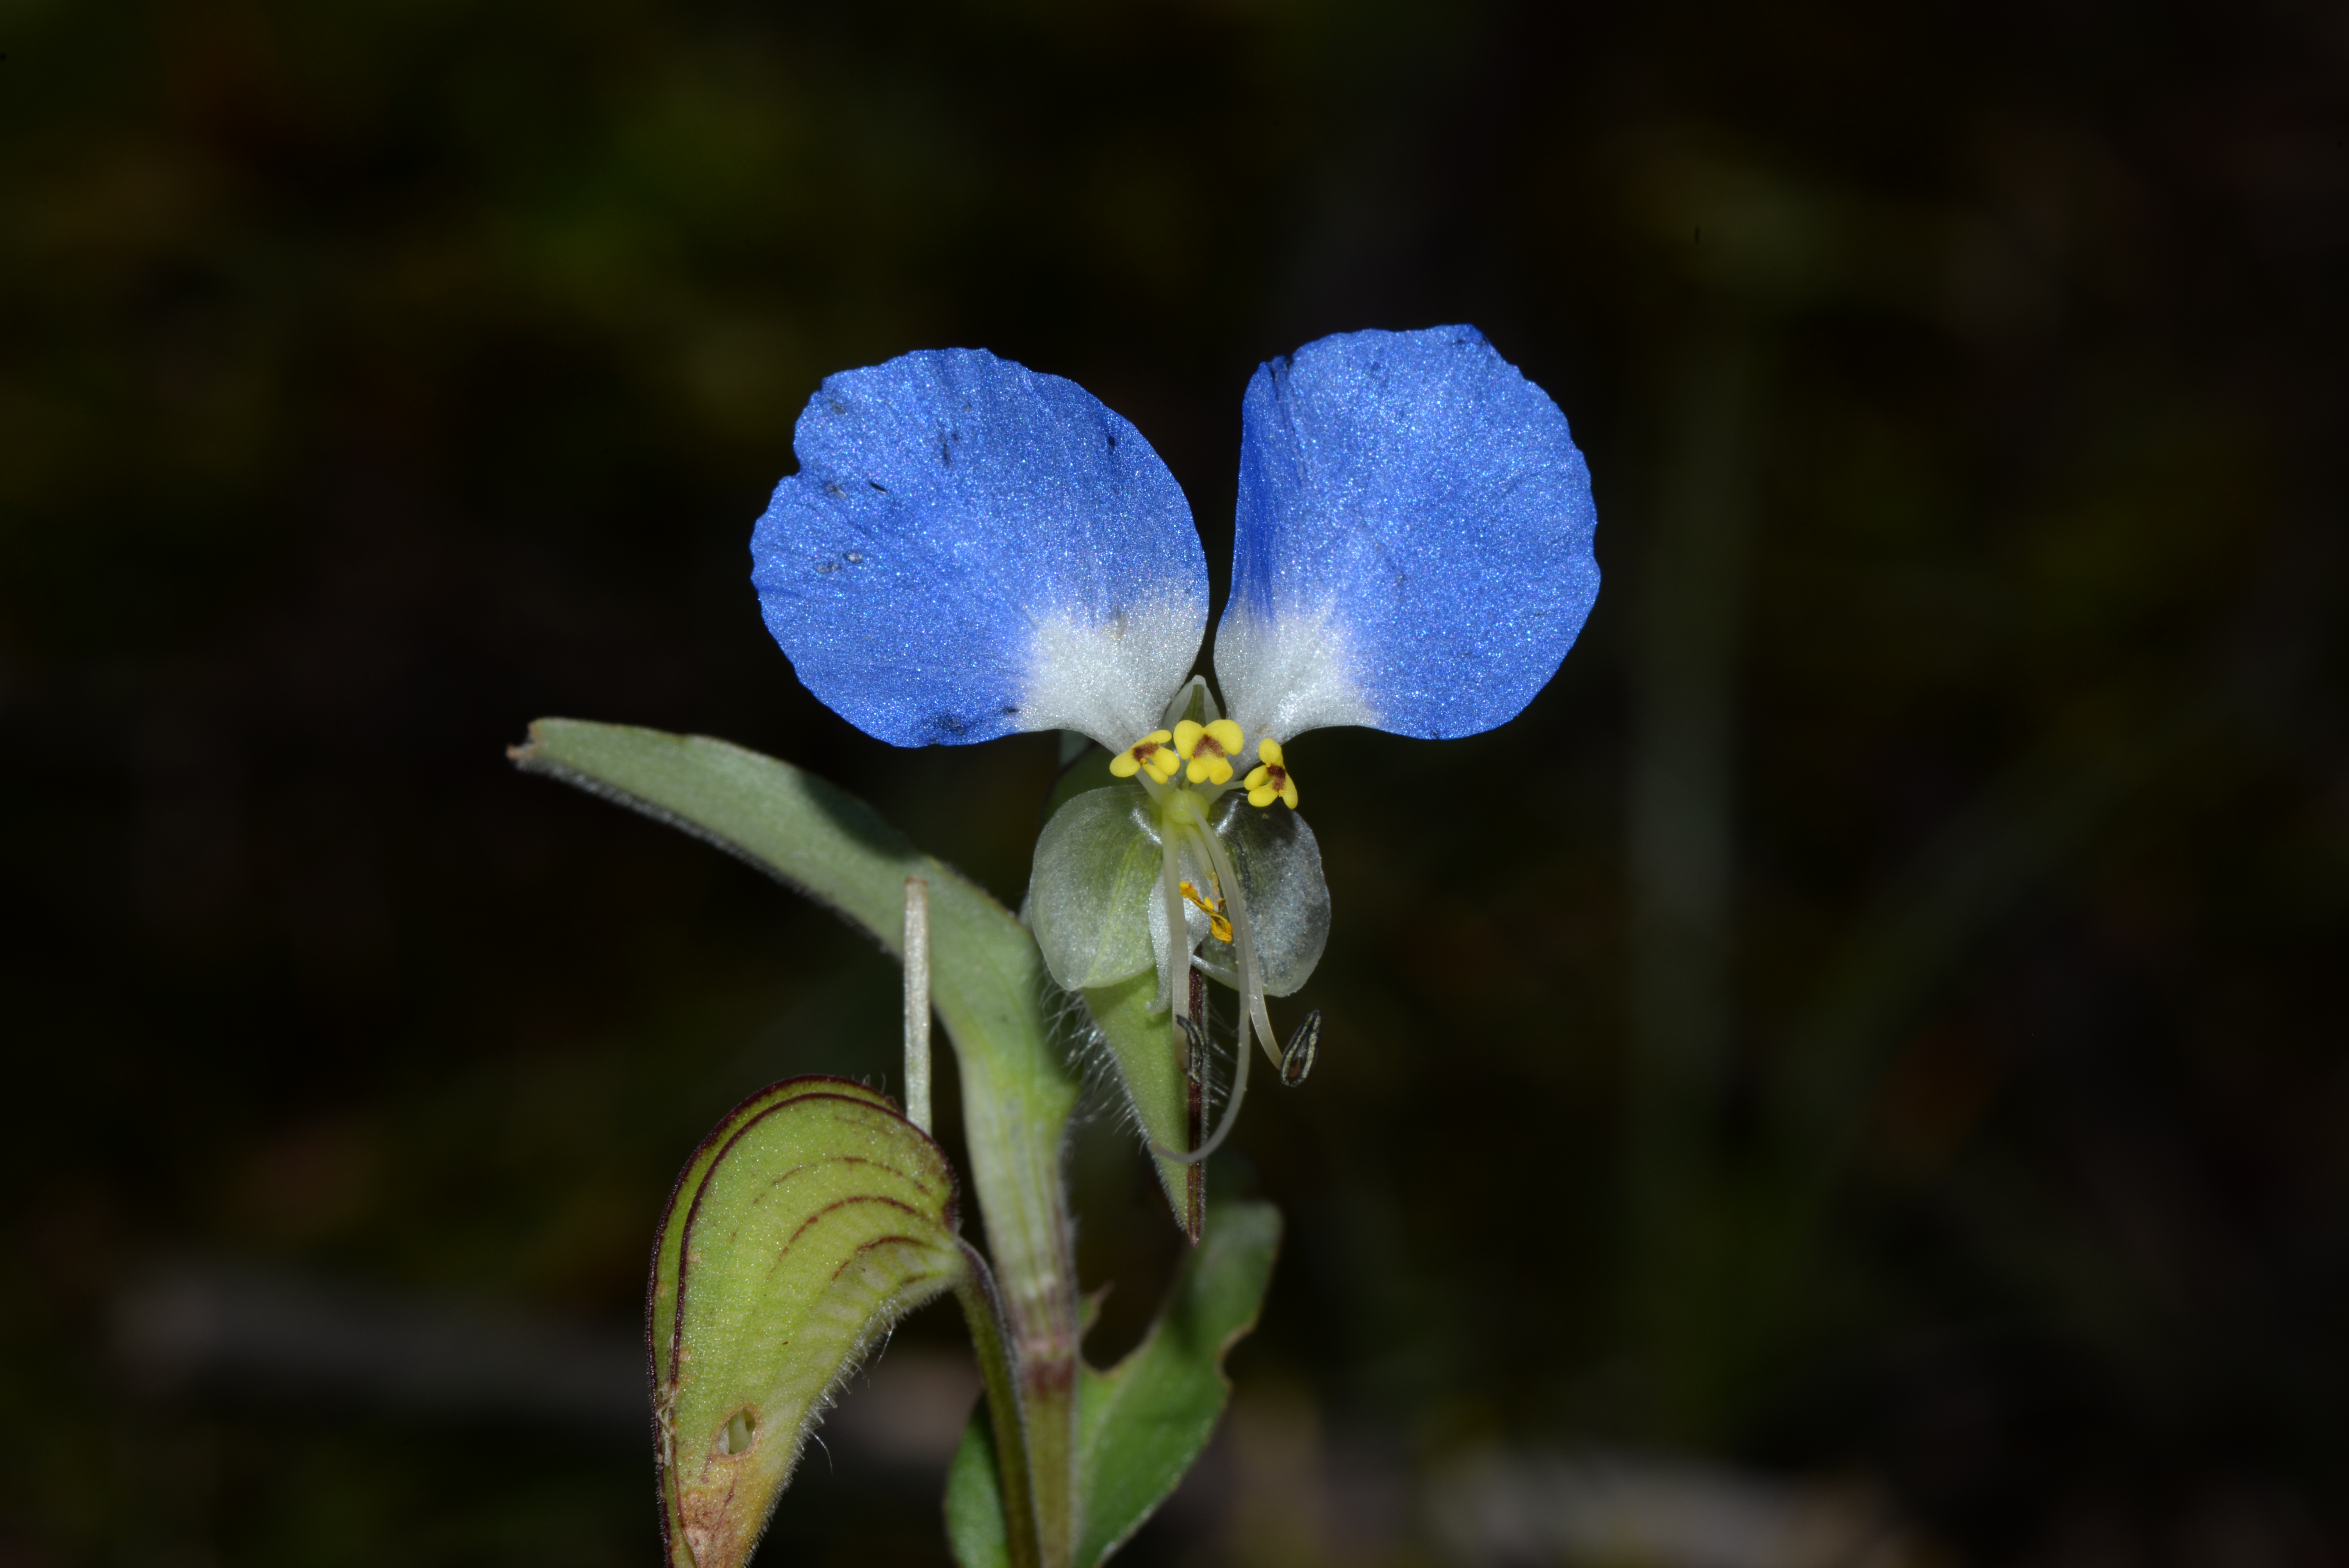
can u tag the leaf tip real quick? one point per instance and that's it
(522, 756)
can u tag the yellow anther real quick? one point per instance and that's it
(1270, 781)
(1151, 755)
(1214, 911)
(1209, 747)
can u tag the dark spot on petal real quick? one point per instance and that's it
(945, 452)
(831, 488)
(1112, 440)
(827, 567)
(940, 728)
(836, 406)
(876, 484)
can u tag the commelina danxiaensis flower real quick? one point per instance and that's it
(970, 549)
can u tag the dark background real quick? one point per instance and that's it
(1871, 1018)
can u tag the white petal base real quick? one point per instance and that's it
(1284, 677)
(1110, 680)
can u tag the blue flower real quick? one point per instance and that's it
(971, 549)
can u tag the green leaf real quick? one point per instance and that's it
(1152, 1071)
(810, 1220)
(1143, 1422)
(974, 1523)
(817, 838)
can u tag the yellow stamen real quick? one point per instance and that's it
(1209, 747)
(1214, 911)
(1151, 754)
(1271, 781)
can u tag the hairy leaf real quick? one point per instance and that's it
(809, 1220)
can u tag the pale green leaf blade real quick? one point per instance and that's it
(820, 1216)
(820, 838)
(1142, 1422)
(660, 1302)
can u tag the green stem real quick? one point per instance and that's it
(1016, 1097)
(1018, 1173)
(982, 1309)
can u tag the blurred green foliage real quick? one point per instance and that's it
(1900, 947)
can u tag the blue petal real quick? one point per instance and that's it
(1415, 538)
(971, 549)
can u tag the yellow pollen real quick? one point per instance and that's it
(1270, 781)
(1150, 754)
(1214, 911)
(1209, 747)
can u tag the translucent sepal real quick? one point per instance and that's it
(1096, 894)
(1092, 890)
(1280, 866)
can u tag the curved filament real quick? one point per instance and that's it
(1253, 1016)
(1175, 962)
(1244, 940)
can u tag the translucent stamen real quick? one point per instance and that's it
(1231, 1109)
(1194, 1060)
